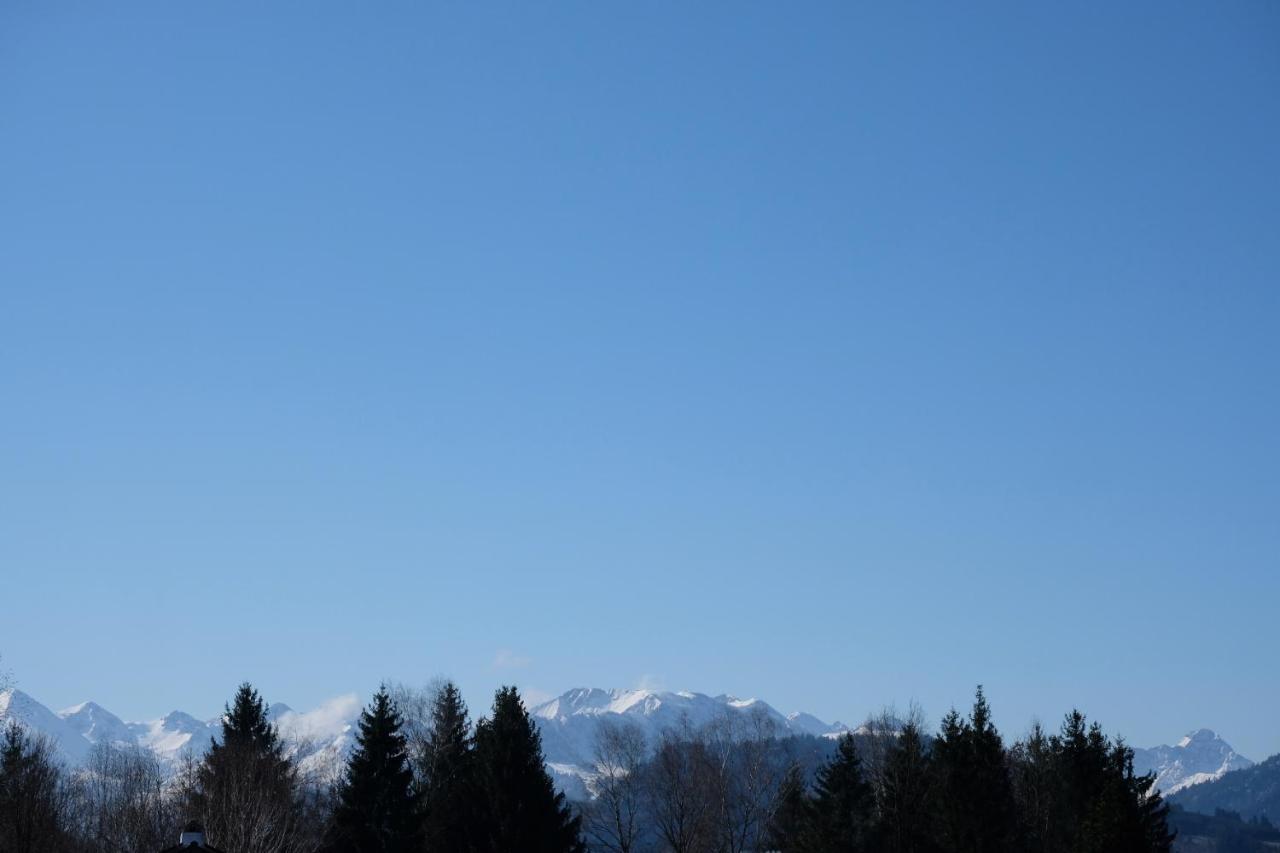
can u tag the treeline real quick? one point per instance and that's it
(1226, 831)
(434, 783)
(891, 788)
(422, 779)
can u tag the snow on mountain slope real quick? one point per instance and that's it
(96, 724)
(321, 738)
(73, 747)
(175, 736)
(1201, 756)
(570, 723)
(807, 724)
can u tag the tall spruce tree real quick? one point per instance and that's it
(446, 777)
(1101, 805)
(1037, 790)
(841, 808)
(245, 790)
(377, 808)
(521, 808)
(905, 806)
(789, 824)
(976, 807)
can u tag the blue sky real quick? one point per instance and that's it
(838, 354)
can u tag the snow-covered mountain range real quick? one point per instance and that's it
(319, 738)
(1201, 756)
(569, 724)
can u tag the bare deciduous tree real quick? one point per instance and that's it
(415, 705)
(6, 680)
(748, 766)
(122, 803)
(678, 793)
(613, 820)
(895, 751)
(34, 794)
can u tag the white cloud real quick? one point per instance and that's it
(326, 721)
(507, 659)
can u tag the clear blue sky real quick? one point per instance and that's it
(835, 354)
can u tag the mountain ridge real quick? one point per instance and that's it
(1201, 756)
(569, 725)
(1250, 792)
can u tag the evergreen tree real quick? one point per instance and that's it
(521, 808)
(245, 724)
(906, 796)
(841, 808)
(976, 797)
(245, 791)
(1078, 793)
(445, 775)
(1037, 791)
(377, 810)
(790, 824)
(1122, 815)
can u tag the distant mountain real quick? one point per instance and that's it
(319, 739)
(1199, 757)
(72, 745)
(1251, 792)
(571, 722)
(97, 725)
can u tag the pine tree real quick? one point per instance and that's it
(991, 781)
(1078, 793)
(842, 803)
(445, 775)
(377, 809)
(790, 823)
(521, 808)
(245, 790)
(906, 800)
(1122, 817)
(976, 797)
(1037, 791)
(245, 724)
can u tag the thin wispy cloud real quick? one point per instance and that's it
(649, 681)
(507, 659)
(327, 720)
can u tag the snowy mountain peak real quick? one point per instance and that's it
(182, 722)
(1201, 756)
(96, 724)
(570, 723)
(594, 700)
(1199, 736)
(808, 724)
(31, 715)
